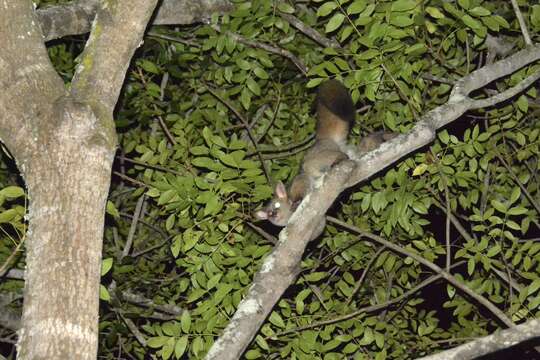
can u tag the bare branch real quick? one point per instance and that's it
(372, 308)
(133, 227)
(279, 268)
(483, 76)
(76, 17)
(277, 271)
(501, 316)
(507, 94)
(178, 12)
(310, 32)
(500, 340)
(522, 24)
(142, 301)
(270, 48)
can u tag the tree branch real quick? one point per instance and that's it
(500, 340)
(277, 271)
(25, 73)
(117, 31)
(310, 32)
(76, 17)
(372, 308)
(270, 48)
(501, 316)
(521, 21)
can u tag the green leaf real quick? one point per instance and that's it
(420, 169)
(435, 12)
(185, 321)
(533, 287)
(106, 265)
(104, 293)
(157, 342)
(518, 210)
(315, 276)
(199, 150)
(403, 5)
(535, 15)
(8, 216)
(470, 266)
(479, 11)
(416, 49)
(334, 22)
(326, 8)
(180, 346)
(276, 319)
(253, 86)
(12, 192)
(111, 210)
(499, 206)
(176, 246)
(470, 22)
(357, 7)
(464, 4)
(516, 193)
(148, 66)
(286, 8)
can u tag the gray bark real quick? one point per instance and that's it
(64, 143)
(76, 17)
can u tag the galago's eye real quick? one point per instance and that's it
(277, 205)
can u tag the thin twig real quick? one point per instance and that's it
(133, 328)
(518, 182)
(133, 227)
(364, 273)
(125, 177)
(310, 32)
(147, 224)
(162, 87)
(11, 256)
(261, 232)
(367, 309)
(438, 79)
(155, 167)
(500, 315)
(140, 300)
(274, 116)
(173, 39)
(272, 49)
(522, 24)
(245, 122)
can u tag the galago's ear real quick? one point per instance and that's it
(261, 215)
(281, 191)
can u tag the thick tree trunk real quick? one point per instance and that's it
(68, 181)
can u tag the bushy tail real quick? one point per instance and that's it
(335, 111)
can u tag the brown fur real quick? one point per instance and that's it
(335, 112)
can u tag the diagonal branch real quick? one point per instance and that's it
(277, 271)
(501, 316)
(491, 343)
(270, 48)
(371, 308)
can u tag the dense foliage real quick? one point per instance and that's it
(188, 175)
